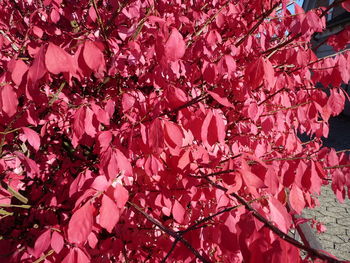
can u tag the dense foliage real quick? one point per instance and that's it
(147, 131)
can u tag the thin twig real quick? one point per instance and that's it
(337, 166)
(170, 251)
(228, 209)
(266, 14)
(274, 229)
(170, 232)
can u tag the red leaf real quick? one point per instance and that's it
(88, 122)
(296, 199)
(57, 60)
(18, 71)
(80, 224)
(38, 68)
(259, 71)
(92, 239)
(70, 258)
(54, 15)
(178, 212)
(109, 213)
(92, 14)
(76, 255)
(220, 126)
(175, 46)
(123, 163)
(156, 137)
(205, 133)
(32, 137)
(57, 242)
(121, 195)
(251, 179)
(336, 102)
(9, 101)
(42, 243)
(173, 134)
(30, 165)
(222, 100)
(81, 256)
(279, 214)
(78, 125)
(346, 5)
(93, 57)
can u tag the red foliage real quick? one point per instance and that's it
(151, 130)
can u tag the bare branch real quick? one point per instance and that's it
(170, 232)
(276, 230)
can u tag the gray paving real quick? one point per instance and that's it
(334, 215)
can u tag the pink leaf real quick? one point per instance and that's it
(156, 136)
(121, 195)
(279, 214)
(109, 213)
(81, 256)
(346, 5)
(222, 100)
(32, 137)
(9, 101)
(123, 163)
(19, 69)
(175, 46)
(205, 133)
(88, 122)
(296, 199)
(57, 60)
(42, 243)
(70, 257)
(173, 134)
(220, 126)
(80, 224)
(57, 242)
(38, 68)
(93, 57)
(178, 212)
(30, 165)
(92, 14)
(78, 125)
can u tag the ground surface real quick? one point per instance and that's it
(335, 216)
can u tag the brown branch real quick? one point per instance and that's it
(334, 4)
(187, 104)
(265, 15)
(271, 96)
(208, 22)
(274, 229)
(283, 44)
(286, 108)
(337, 166)
(101, 25)
(170, 251)
(228, 209)
(170, 232)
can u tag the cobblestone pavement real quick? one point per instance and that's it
(334, 215)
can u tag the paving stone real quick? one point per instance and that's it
(342, 251)
(345, 238)
(343, 247)
(335, 229)
(332, 238)
(326, 219)
(326, 244)
(336, 209)
(343, 221)
(329, 213)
